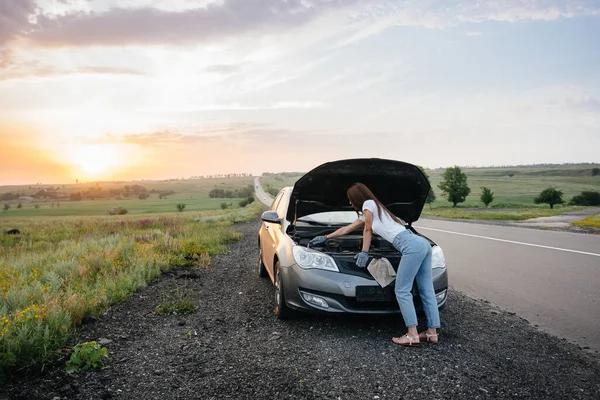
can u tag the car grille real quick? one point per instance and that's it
(353, 304)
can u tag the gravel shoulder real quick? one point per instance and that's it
(234, 348)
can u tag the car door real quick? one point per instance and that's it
(276, 231)
(267, 240)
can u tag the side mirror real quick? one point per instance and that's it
(271, 216)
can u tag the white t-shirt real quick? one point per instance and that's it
(385, 227)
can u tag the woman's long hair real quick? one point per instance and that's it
(358, 193)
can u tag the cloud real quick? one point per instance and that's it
(108, 71)
(222, 69)
(442, 14)
(144, 25)
(14, 18)
(282, 105)
(473, 33)
(586, 103)
(35, 69)
(119, 26)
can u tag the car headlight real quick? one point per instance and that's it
(307, 259)
(437, 257)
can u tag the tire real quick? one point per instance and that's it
(282, 311)
(262, 269)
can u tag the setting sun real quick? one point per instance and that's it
(95, 160)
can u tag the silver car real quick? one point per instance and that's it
(326, 278)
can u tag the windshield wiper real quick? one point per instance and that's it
(313, 222)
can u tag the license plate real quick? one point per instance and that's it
(374, 293)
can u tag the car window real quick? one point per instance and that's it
(282, 207)
(332, 217)
(276, 201)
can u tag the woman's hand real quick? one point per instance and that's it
(361, 259)
(317, 240)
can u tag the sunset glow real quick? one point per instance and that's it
(132, 89)
(95, 160)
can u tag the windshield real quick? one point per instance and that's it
(331, 217)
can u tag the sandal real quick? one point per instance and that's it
(429, 337)
(412, 341)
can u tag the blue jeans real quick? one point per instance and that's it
(415, 264)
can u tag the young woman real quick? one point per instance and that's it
(415, 262)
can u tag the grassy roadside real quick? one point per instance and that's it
(59, 270)
(508, 213)
(589, 222)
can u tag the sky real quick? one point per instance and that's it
(155, 89)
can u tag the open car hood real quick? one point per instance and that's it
(401, 186)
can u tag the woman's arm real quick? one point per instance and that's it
(368, 231)
(345, 229)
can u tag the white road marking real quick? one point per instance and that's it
(512, 241)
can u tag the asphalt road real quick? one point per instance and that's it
(550, 278)
(262, 196)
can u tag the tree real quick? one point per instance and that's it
(595, 171)
(6, 206)
(19, 205)
(487, 196)
(143, 196)
(180, 207)
(454, 185)
(586, 198)
(75, 196)
(431, 195)
(550, 196)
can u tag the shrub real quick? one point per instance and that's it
(431, 195)
(586, 198)
(36, 206)
(76, 196)
(224, 206)
(243, 203)
(117, 211)
(143, 196)
(6, 206)
(180, 207)
(86, 356)
(595, 171)
(487, 196)
(19, 205)
(250, 199)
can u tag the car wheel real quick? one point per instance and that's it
(262, 270)
(282, 311)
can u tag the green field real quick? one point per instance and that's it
(522, 187)
(193, 193)
(513, 195)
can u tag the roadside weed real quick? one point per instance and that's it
(86, 356)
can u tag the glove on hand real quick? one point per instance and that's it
(361, 259)
(317, 240)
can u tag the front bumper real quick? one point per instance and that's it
(301, 287)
